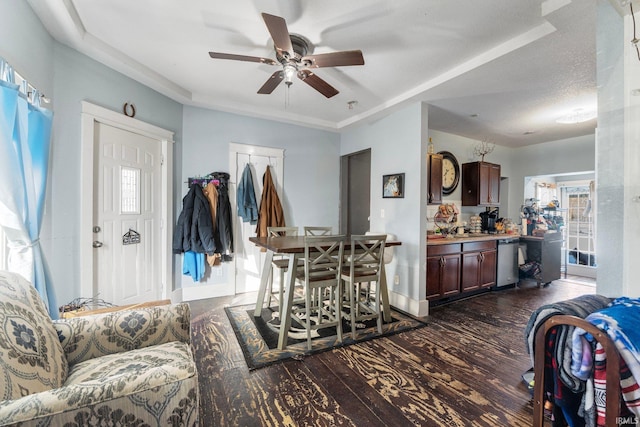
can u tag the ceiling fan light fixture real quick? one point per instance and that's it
(577, 116)
(289, 72)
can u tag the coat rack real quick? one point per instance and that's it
(203, 181)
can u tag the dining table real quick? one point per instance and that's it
(292, 247)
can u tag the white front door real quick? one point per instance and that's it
(127, 219)
(126, 185)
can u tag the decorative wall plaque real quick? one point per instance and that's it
(131, 237)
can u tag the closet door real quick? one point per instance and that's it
(248, 259)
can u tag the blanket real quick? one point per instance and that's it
(581, 307)
(620, 321)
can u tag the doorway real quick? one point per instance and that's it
(355, 192)
(567, 202)
(248, 258)
(126, 200)
(580, 228)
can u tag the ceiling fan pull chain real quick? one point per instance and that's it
(287, 98)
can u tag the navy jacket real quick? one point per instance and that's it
(194, 230)
(224, 231)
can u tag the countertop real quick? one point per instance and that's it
(470, 238)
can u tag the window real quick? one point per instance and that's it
(7, 73)
(129, 191)
(580, 237)
(546, 193)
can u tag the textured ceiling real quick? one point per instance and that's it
(497, 70)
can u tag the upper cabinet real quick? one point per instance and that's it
(434, 196)
(480, 184)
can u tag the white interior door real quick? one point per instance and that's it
(579, 229)
(249, 258)
(127, 216)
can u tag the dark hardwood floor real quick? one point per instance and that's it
(463, 369)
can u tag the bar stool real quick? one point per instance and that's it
(323, 257)
(362, 270)
(279, 263)
(388, 250)
(317, 231)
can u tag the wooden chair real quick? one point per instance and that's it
(282, 231)
(612, 404)
(320, 276)
(280, 264)
(317, 231)
(388, 250)
(361, 277)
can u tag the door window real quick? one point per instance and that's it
(129, 190)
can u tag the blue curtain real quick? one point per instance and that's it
(25, 135)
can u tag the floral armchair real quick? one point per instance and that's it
(132, 367)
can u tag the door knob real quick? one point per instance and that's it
(97, 244)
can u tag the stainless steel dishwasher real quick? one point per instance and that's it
(508, 272)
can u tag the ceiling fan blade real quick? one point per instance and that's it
(334, 59)
(317, 83)
(277, 27)
(272, 83)
(218, 55)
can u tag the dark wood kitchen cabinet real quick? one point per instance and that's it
(434, 196)
(480, 184)
(478, 265)
(443, 270)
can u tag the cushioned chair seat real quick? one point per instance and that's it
(138, 385)
(139, 369)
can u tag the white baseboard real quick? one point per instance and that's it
(193, 293)
(413, 307)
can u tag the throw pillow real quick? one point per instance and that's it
(31, 356)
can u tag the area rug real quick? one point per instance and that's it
(258, 336)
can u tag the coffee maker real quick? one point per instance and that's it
(489, 218)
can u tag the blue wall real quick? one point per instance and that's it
(79, 78)
(396, 147)
(68, 78)
(26, 44)
(311, 164)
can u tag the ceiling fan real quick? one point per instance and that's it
(293, 53)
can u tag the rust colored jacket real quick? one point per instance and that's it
(271, 213)
(211, 193)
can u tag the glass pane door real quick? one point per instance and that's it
(580, 230)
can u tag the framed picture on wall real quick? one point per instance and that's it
(393, 186)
